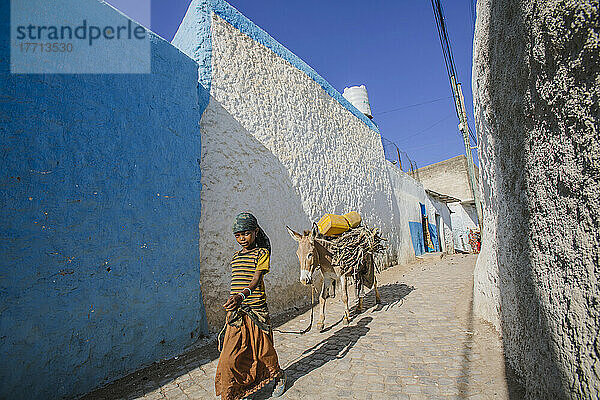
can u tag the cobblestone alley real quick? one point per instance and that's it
(421, 343)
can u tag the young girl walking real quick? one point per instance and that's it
(248, 359)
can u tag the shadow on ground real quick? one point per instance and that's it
(333, 347)
(474, 327)
(337, 345)
(391, 296)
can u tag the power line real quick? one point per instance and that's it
(445, 44)
(447, 52)
(473, 137)
(425, 129)
(413, 105)
(448, 58)
(459, 103)
(428, 146)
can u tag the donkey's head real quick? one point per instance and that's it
(307, 254)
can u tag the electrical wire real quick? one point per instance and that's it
(444, 42)
(433, 145)
(446, 45)
(412, 105)
(425, 129)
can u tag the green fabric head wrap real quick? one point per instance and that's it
(247, 222)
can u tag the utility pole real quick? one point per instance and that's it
(459, 103)
(464, 128)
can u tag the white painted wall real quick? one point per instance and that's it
(334, 162)
(276, 144)
(240, 174)
(464, 218)
(409, 194)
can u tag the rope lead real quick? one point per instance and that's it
(312, 311)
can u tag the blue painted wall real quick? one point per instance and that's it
(99, 203)
(416, 235)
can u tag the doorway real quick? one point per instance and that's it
(429, 247)
(438, 220)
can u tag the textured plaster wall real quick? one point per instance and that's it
(536, 89)
(100, 204)
(334, 160)
(464, 219)
(239, 173)
(331, 159)
(321, 155)
(409, 195)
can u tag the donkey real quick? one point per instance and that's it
(312, 254)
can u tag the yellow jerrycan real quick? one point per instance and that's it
(332, 224)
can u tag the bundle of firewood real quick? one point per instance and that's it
(349, 248)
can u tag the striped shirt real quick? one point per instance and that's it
(243, 267)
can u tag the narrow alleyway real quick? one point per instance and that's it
(421, 343)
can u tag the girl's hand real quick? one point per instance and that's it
(233, 302)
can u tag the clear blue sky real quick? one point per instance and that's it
(391, 47)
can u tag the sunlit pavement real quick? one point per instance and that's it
(422, 342)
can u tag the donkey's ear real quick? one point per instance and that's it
(295, 235)
(314, 231)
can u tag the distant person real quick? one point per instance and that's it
(248, 360)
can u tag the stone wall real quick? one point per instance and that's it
(449, 177)
(100, 209)
(536, 87)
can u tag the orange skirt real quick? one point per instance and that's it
(247, 363)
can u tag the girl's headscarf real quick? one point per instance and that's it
(247, 222)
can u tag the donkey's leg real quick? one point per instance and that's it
(377, 296)
(344, 288)
(361, 295)
(322, 300)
